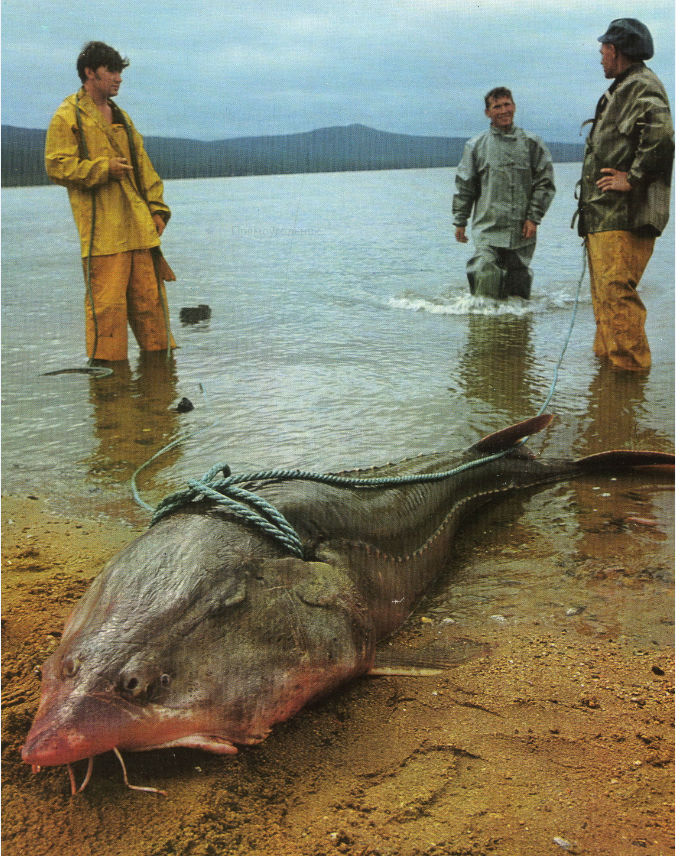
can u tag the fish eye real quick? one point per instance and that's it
(71, 666)
(165, 680)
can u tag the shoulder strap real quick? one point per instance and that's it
(84, 151)
(119, 115)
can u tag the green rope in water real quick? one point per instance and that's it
(568, 335)
(264, 516)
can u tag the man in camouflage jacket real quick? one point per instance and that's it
(624, 191)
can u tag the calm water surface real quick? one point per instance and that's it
(342, 334)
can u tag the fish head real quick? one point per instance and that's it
(193, 636)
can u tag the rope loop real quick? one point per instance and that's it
(252, 508)
(242, 503)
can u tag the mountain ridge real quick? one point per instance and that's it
(338, 148)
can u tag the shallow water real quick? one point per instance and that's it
(342, 334)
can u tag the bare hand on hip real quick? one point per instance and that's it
(613, 180)
(529, 230)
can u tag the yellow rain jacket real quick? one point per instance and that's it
(123, 220)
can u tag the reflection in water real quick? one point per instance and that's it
(133, 417)
(590, 555)
(496, 365)
(617, 414)
(621, 520)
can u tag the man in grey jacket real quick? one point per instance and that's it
(624, 191)
(506, 177)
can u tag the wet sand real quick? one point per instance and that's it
(548, 743)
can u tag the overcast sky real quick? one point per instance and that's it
(209, 70)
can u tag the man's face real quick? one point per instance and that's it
(609, 60)
(105, 82)
(501, 112)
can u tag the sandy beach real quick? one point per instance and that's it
(551, 744)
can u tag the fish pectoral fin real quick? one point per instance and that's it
(206, 742)
(315, 583)
(378, 671)
(426, 662)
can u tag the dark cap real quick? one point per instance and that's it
(629, 36)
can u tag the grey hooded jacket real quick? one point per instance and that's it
(507, 177)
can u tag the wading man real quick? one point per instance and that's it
(625, 187)
(94, 150)
(506, 178)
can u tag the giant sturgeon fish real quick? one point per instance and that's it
(206, 631)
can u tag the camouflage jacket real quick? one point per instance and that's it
(632, 132)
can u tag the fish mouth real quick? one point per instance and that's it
(70, 730)
(91, 726)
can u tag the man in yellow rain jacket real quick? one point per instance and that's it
(94, 150)
(624, 191)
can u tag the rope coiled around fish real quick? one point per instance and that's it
(259, 512)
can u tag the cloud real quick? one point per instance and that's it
(414, 66)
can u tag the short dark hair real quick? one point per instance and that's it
(498, 92)
(96, 54)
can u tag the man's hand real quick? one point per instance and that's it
(159, 223)
(460, 235)
(118, 168)
(613, 180)
(529, 230)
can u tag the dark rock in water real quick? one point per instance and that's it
(195, 314)
(185, 405)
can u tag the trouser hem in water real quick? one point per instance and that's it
(617, 260)
(124, 287)
(500, 272)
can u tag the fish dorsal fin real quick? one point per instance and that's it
(508, 437)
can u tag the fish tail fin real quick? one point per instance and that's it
(626, 459)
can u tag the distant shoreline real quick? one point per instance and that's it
(351, 148)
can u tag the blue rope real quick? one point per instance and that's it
(569, 334)
(167, 448)
(254, 509)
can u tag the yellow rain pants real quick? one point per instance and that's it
(124, 286)
(616, 263)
